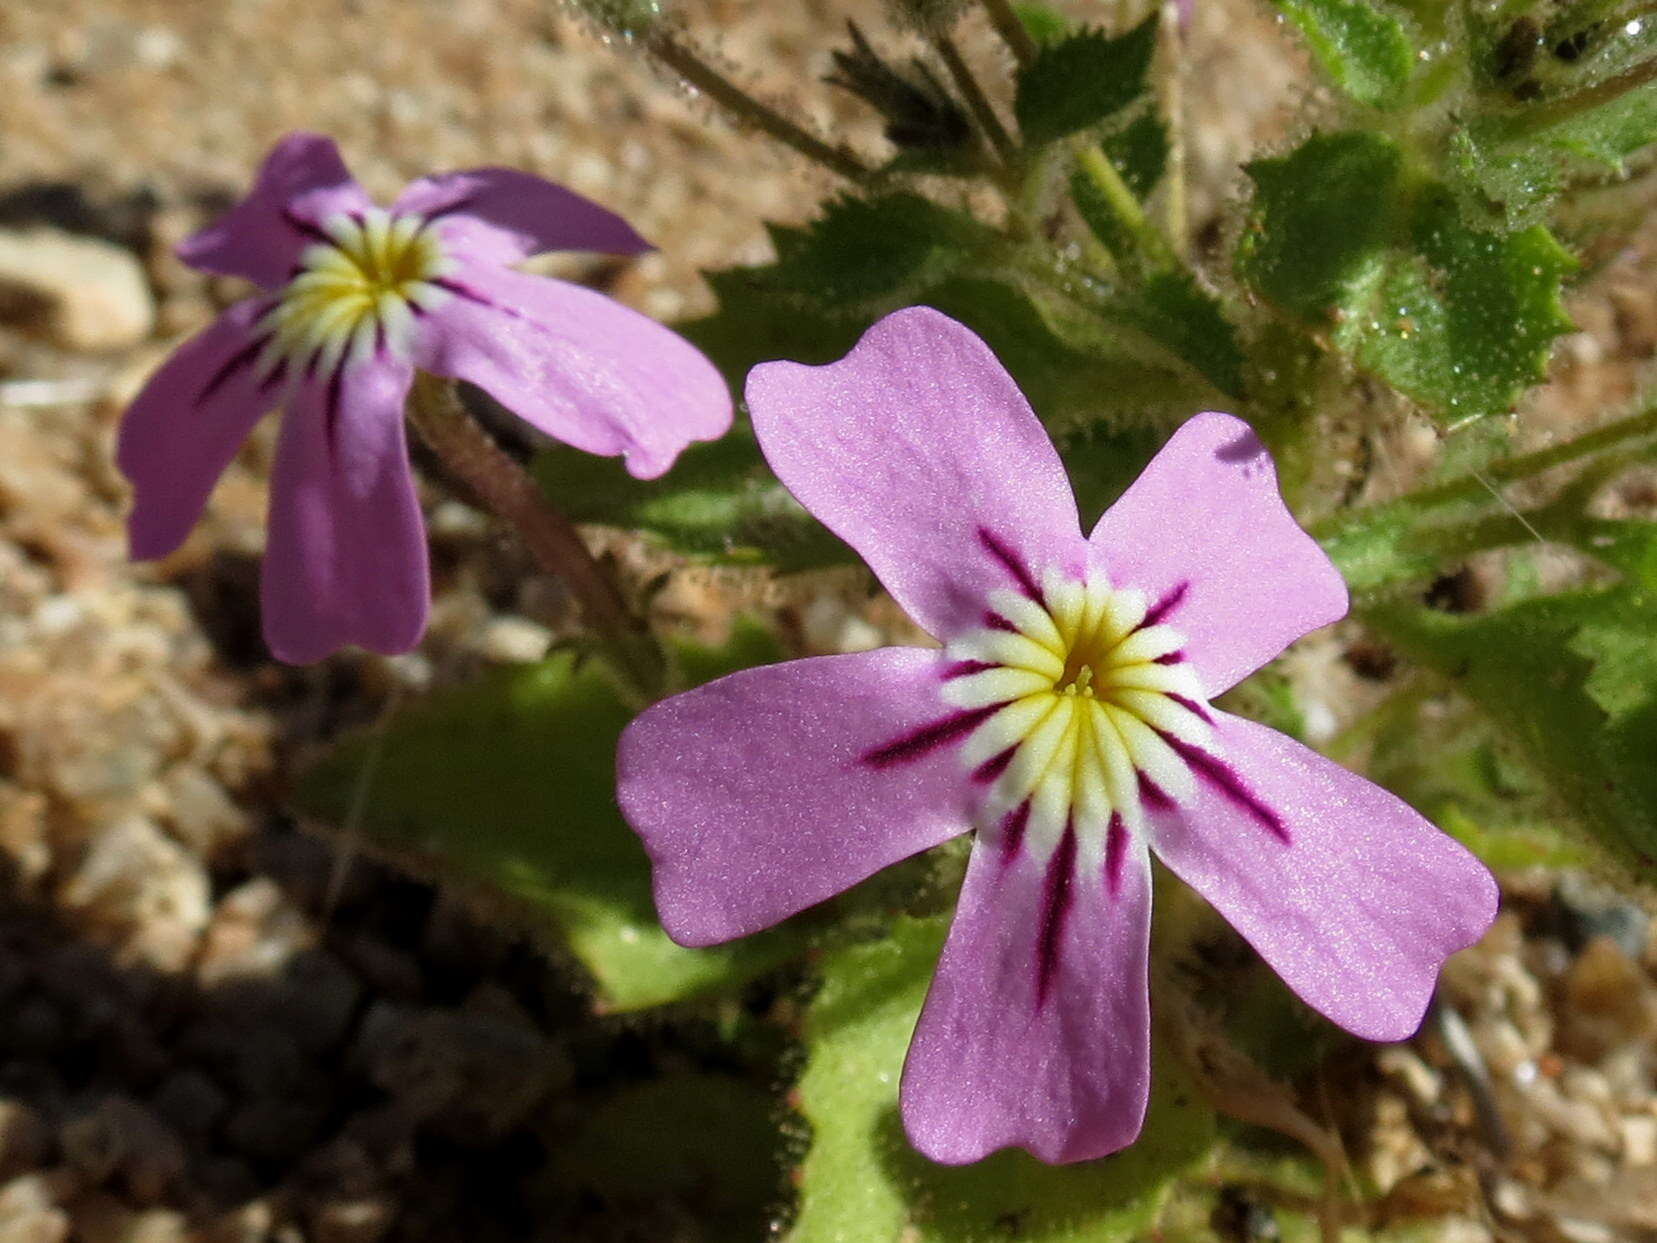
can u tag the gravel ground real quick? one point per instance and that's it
(212, 1027)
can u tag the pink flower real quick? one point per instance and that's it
(353, 298)
(1066, 720)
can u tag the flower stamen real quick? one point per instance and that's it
(357, 291)
(1086, 712)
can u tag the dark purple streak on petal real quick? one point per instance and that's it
(1153, 795)
(1193, 707)
(242, 358)
(997, 622)
(1010, 562)
(472, 295)
(929, 738)
(993, 767)
(1220, 776)
(1116, 850)
(305, 228)
(1055, 906)
(330, 407)
(965, 668)
(1166, 605)
(459, 205)
(1169, 658)
(1012, 831)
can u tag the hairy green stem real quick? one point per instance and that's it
(745, 109)
(1011, 30)
(977, 102)
(1477, 486)
(1095, 165)
(1098, 169)
(1041, 268)
(1385, 546)
(1444, 545)
(1545, 116)
(503, 485)
(1175, 212)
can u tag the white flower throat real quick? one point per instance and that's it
(1087, 713)
(357, 290)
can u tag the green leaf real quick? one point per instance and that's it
(1383, 548)
(1625, 544)
(1078, 371)
(1167, 305)
(1517, 175)
(1322, 219)
(1043, 22)
(1361, 46)
(1449, 761)
(860, 259)
(831, 279)
(1464, 323)
(759, 319)
(505, 788)
(1174, 310)
(862, 249)
(1571, 680)
(719, 503)
(1140, 151)
(1082, 80)
(1102, 463)
(1267, 697)
(1569, 102)
(860, 1179)
(1074, 369)
(1121, 360)
(1459, 319)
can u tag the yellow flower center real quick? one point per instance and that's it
(357, 292)
(1091, 712)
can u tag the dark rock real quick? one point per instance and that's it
(1585, 908)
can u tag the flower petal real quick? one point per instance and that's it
(345, 560)
(499, 215)
(919, 451)
(1205, 535)
(1352, 897)
(185, 426)
(1036, 1031)
(301, 182)
(581, 367)
(772, 789)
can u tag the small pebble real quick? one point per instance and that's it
(143, 891)
(25, 1138)
(124, 1142)
(514, 640)
(81, 293)
(1639, 1140)
(353, 1221)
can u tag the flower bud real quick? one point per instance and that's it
(921, 115)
